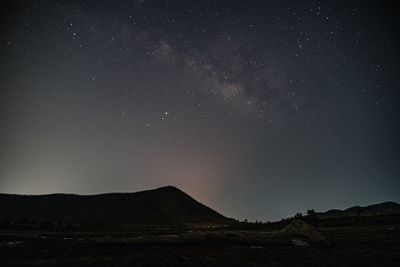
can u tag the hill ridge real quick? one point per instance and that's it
(382, 208)
(163, 205)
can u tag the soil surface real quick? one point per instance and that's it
(342, 246)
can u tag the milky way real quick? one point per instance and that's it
(260, 109)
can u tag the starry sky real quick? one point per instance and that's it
(259, 109)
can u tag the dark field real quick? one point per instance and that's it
(373, 245)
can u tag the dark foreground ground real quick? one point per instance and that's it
(344, 246)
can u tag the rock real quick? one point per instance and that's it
(300, 243)
(302, 229)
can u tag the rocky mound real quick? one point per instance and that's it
(299, 228)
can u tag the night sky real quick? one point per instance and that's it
(259, 109)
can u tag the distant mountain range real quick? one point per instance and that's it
(385, 208)
(165, 205)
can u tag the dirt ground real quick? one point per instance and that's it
(343, 246)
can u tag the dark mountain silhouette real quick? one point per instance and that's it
(165, 205)
(385, 208)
